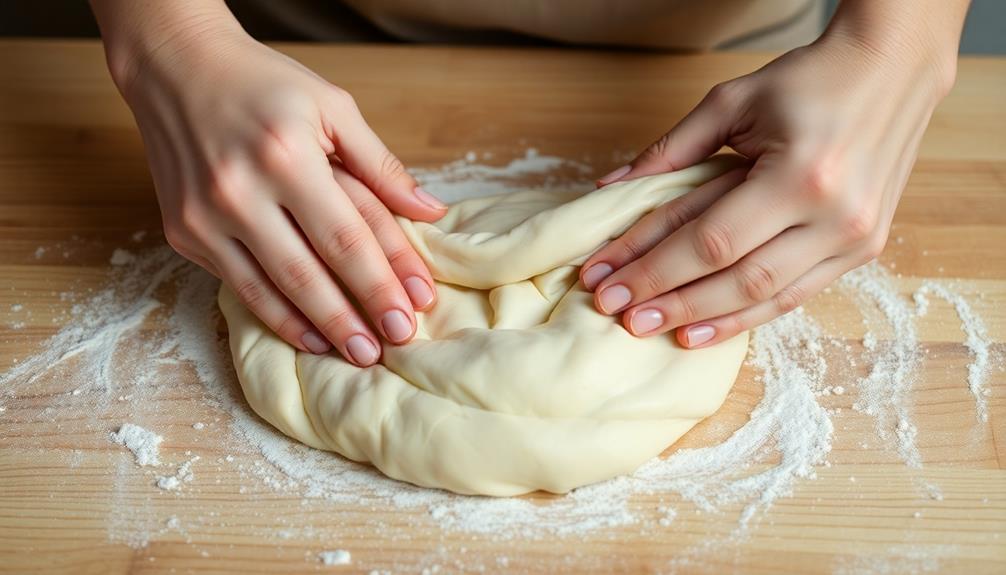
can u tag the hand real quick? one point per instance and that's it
(240, 141)
(832, 131)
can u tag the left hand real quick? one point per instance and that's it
(832, 131)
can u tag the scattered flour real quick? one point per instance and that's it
(976, 340)
(337, 557)
(787, 436)
(143, 443)
(182, 475)
(465, 179)
(883, 392)
(122, 257)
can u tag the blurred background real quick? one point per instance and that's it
(983, 33)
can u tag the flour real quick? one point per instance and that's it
(465, 179)
(182, 475)
(122, 257)
(799, 368)
(337, 557)
(883, 392)
(143, 443)
(976, 340)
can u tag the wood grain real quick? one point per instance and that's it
(73, 179)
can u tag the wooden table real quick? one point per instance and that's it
(72, 171)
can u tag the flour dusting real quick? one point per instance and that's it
(124, 348)
(142, 442)
(976, 340)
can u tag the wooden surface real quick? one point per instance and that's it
(72, 172)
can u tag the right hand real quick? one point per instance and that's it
(269, 177)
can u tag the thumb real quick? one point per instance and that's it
(366, 157)
(697, 136)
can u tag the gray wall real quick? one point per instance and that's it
(984, 30)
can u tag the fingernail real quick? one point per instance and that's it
(396, 325)
(315, 343)
(699, 334)
(419, 292)
(614, 298)
(613, 176)
(362, 350)
(428, 198)
(595, 274)
(646, 320)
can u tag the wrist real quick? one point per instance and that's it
(917, 37)
(139, 34)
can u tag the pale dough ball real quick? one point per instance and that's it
(514, 382)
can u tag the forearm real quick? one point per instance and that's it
(134, 31)
(907, 32)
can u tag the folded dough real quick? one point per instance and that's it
(513, 382)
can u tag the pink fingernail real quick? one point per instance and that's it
(614, 298)
(614, 176)
(396, 326)
(428, 198)
(315, 343)
(362, 350)
(646, 320)
(699, 334)
(595, 274)
(419, 292)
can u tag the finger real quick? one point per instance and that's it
(366, 156)
(713, 331)
(743, 219)
(754, 279)
(698, 135)
(655, 226)
(298, 273)
(405, 262)
(340, 235)
(239, 270)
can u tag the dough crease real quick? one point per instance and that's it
(513, 383)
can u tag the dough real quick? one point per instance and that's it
(514, 382)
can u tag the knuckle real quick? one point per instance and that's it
(652, 277)
(680, 308)
(190, 219)
(344, 242)
(675, 215)
(823, 182)
(289, 328)
(391, 167)
(399, 255)
(276, 149)
(714, 243)
(380, 293)
(176, 238)
(337, 323)
(658, 149)
(723, 95)
(858, 224)
(251, 292)
(224, 188)
(631, 247)
(372, 211)
(297, 273)
(732, 325)
(756, 280)
(874, 246)
(789, 298)
(343, 99)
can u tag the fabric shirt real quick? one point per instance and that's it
(658, 24)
